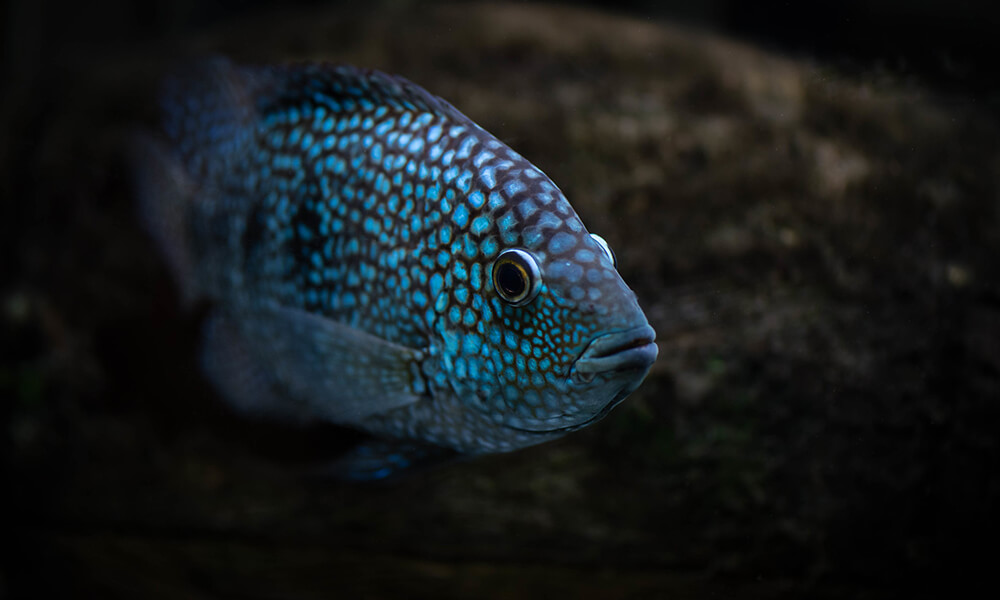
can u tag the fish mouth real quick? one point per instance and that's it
(629, 350)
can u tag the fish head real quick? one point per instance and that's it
(558, 339)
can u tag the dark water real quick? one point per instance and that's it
(811, 228)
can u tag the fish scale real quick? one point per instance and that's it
(348, 226)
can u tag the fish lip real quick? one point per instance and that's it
(631, 349)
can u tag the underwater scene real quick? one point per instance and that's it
(499, 300)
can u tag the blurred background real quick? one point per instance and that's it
(804, 196)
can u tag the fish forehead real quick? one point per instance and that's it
(396, 212)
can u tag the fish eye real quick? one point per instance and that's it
(607, 249)
(516, 277)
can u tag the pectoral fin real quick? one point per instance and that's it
(320, 368)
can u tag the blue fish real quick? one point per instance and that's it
(377, 260)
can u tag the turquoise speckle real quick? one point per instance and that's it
(461, 215)
(479, 225)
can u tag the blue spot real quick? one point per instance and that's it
(512, 187)
(526, 208)
(510, 340)
(482, 157)
(496, 200)
(471, 343)
(480, 224)
(436, 283)
(561, 242)
(532, 236)
(548, 221)
(469, 247)
(488, 177)
(466, 147)
(461, 215)
(476, 199)
(566, 270)
(507, 222)
(442, 303)
(489, 247)
(475, 276)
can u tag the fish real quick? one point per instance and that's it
(376, 260)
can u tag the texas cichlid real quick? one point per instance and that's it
(377, 260)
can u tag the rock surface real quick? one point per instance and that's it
(818, 254)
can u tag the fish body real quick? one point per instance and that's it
(377, 260)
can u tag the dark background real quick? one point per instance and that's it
(950, 43)
(823, 418)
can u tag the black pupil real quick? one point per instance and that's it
(510, 280)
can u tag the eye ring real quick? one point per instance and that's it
(607, 249)
(516, 277)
